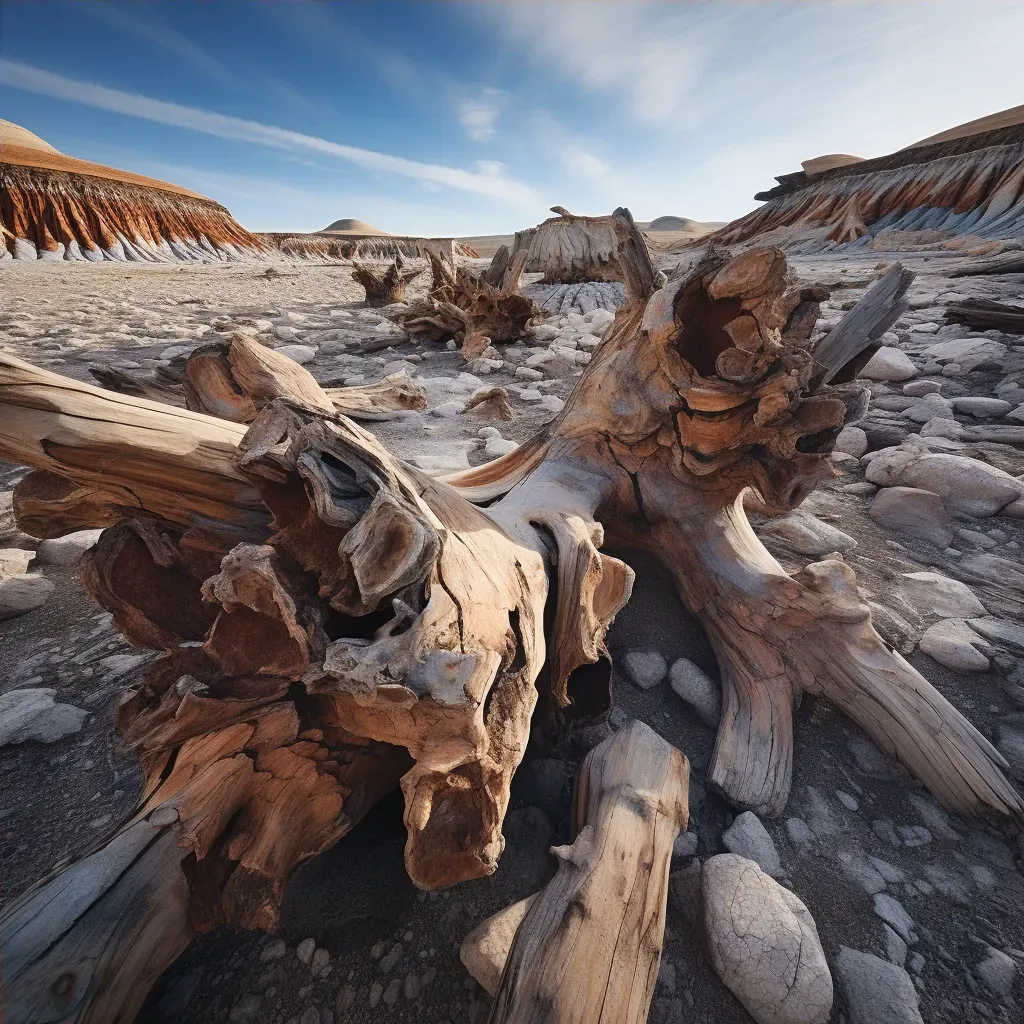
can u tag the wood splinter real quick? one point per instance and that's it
(587, 947)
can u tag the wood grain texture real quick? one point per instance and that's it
(589, 947)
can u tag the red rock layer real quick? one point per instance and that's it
(50, 213)
(958, 193)
(322, 245)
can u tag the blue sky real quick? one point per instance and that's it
(474, 118)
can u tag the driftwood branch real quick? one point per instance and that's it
(986, 315)
(384, 287)
(589, 945)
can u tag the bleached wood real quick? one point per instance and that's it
(589, 946)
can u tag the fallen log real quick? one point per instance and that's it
(589, 944)
(1004, 263)
(986, 315)
(387, 287)
(298, 562)
(233, 380)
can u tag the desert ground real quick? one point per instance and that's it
(879, 865)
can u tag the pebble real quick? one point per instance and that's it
(763, 944)
(33, 714)
(876, 991)
(392, 992)
(319, 963)
(888, 364)
(849, 802)
(272, 951)
(23, 593)
(951, 643)
(807, 534)
(685, 846)
(66, 550)
(247, 1008)
(747, 837)
(694, 686)
(894, 914)
(913, 511)
(376, 991)
(645, 668)
(853, 441)
(389, 962)
(997, 972)
(936, 594)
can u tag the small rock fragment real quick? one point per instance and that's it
(876, 991)
(645, 668)
(747, 837)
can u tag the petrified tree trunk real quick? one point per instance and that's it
(984, 315)
(298, 564)
(234, 380)
(589, 946)
(384, 288)
(470, 309)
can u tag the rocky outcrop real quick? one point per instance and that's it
(963, 189)
(56, 207)
(349, 246)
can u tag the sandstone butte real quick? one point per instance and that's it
(961, 190)
(57, 207)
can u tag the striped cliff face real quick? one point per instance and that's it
(348, 246)
(964, 191)
(56, 207)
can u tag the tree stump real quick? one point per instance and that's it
(387, 287)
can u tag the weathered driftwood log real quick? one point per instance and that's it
(384, 287)
(469, 309)
(986, 315)
(703, 397)
(233, 380)
(1003, 263)
(299, 563)
(589, 945)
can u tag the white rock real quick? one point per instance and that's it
(889, 364)
(14, 561)
(894, 914)
(920, 388)
(299, 353)
(484, 951)
(983, 408)
(530, 395)
(853, 441)
(807, 534)
(33, 715)
(396, 366)
(747, 837)
(931, 407)
(285, 333)
(939, 427)
(528, 373)
(66, 550)
(498, 446)
(997, 972)
(551, 403)
(685, 846)
(23, 593)
(690, 683)
(447, 409)
(764, 944)
(914, 511)
(951, 643)
(965, 485)
(934, 594)
(645, 668)
(877, 992)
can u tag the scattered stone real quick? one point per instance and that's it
(849, 802)
(1000, 631)
(916, 512)
(982, 408)
(32, 714)
(876, 992)
(997, 972)
(747, 837)
(799, 833)
(931, 407)
(411, 986)
(247, 1008)
(853, 441)
(66, 550)
(895, 947)
(391, 993)
(914, 835)
(23, 593)
(299, 353)
(943, 428)
(860, 872)
(685, 846)
(807, 534)
(273, 950)
(894, 914)
(376, 991)
(551, 403)
(764, 944)
(318, 965)
(701, 692)
(645, 668)
(483, 951)
(311, 1015)
(935, 594)
(495, 447)
(14, 561)
(888, 364)
(305, 950)
(951, 643)
(389, 962)
(920, 388)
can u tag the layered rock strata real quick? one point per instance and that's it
(962, 190)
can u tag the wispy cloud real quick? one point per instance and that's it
(161, 34)
(478, 115)
(46, 83)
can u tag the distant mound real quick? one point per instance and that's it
(12, 134)
(675, 224)
(350, 226)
